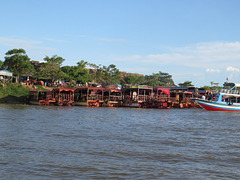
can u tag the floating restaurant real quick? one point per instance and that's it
(60, 97)
(97, 97)
(128, 96)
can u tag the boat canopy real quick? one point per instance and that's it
(231, 95)
(166, 91)
(60, 90)
(230, 85)
(237, 84)
(188, 92)
(115, 90)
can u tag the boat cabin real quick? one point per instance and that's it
(161, 94)
(231, 88)
(181, 97)
(41, 98)
(115, 98)
(91, 96)
(133, 95)
(63, 97)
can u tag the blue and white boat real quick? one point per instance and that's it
(227, 99)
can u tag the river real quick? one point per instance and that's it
(39, 142)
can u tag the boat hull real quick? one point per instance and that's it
(34, 102)
(80, 103)
(216, 106)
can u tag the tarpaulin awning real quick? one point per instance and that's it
(166, 91)
(188, 92)
(115, 90)
(60, 90)
(6, 73)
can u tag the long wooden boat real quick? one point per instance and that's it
(41, 98)
(135, 96)
(91, 96)
(160, 98)
(115, 98)
(80, 96)
(228, 99)
(63, 97)
(217, 106)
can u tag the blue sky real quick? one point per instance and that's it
(193, 40)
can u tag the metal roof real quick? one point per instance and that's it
(5, 73)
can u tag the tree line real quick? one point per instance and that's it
(18, 62)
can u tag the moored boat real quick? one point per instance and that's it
(228, 99)
(41, 98)
(136, 96)
(63, 97)
(91, 96)
(115, 98)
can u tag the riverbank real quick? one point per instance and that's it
(16, 93)
(13, 93)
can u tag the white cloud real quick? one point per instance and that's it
(56, 40)
(212, 70)
(23, 43)
(202, 55)
(232, 69)
(202, 58)
(35, 49)
(17, 42)
(132, 69)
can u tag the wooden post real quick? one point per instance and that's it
(102, 94)
(87, 93)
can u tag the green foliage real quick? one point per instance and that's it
(13, 89)
(212, 88)
(39, 87)
(16, 51)
(51, 69)
(108, 75)
(134, 79)
(214, 85)
(18, 62)
(186, 83)
(77, 73)
(82, 64)
(56, 60)
(159, 79)
(156, 79)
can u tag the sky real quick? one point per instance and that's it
(192, 40)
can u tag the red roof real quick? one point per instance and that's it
(166, 91)
(72, 90)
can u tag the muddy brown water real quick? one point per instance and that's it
(38, 142)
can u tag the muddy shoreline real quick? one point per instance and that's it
(14, 100)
